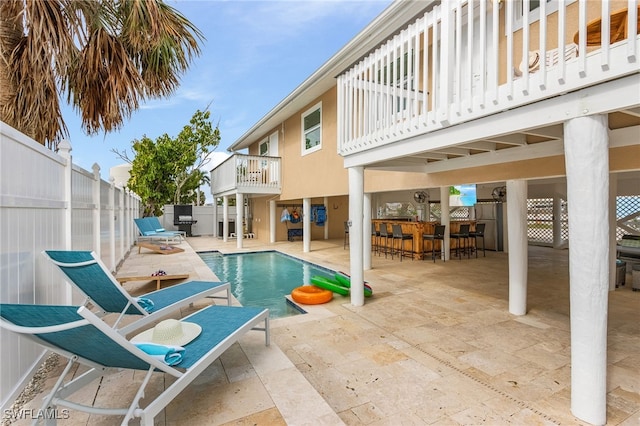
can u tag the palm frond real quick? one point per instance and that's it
(164, 41)
(106, 55)
(103, 100)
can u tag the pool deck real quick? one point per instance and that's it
(435, 345)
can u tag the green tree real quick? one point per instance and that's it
(104, 56)
(169, 171)
(192, 194)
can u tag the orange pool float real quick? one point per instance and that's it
(311, 295)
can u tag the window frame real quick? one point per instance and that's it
(534, 15)
(303, 144)
(262, 143)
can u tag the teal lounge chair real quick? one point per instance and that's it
(77, 334)
(89, 275)
(154, 223)
(149, 231)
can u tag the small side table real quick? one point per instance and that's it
(159, 248)
(156, 278)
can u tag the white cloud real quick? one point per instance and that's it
(217, 157)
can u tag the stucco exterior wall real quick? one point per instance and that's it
(318, 173)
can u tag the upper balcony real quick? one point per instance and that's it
(247, 174)
(462, 60)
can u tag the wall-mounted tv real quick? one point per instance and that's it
(462, 195)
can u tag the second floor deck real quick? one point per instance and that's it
(462, 61)
(248, 174)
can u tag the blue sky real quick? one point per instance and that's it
(254, 55)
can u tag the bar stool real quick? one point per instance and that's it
(376, 238)
(397, 235)
(384, 233)
(462, 238)
(438, 235)
(479, 233)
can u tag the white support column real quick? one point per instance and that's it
(518, 245)
(587, 165)
(306, 225)
(326, 222)
(356, 202)
(557, 220)
(272, 221)
(95, 194)
(215, 217)
(366, 232)
(225, 218)
(445, 220)
(613, 225)
(239, 219)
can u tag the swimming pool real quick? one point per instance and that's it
(262, 279)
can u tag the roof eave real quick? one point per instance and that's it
(384, 25)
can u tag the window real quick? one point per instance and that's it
(534, 12)
(264, 147)
(312, 130)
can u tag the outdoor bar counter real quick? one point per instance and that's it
(417, 229)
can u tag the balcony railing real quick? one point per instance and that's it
(462, 60)
(248, 174)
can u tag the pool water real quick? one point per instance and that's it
(262, 279)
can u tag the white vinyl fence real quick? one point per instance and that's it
(48, 203)
(205, 217)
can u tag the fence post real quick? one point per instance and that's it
(112, 225)
(128, 220)
(135, 212)
(96, 209)
(121, 214)
(64, 150)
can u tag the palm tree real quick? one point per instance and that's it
(104, 56)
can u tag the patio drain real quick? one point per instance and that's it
(489, 386)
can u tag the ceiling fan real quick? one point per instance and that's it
(499, 193)
(420, 197)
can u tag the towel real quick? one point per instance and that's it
(146, 304)
(295, 216)
(285, 215)
(170, 355)
(321, 215)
